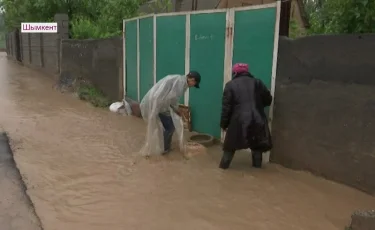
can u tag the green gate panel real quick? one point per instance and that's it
(170, 46)
(207, 50)
(253, 41)
(146, 55)
(131, 59)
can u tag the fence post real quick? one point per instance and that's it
(138, 65)
(6, 43)
(12, 44)
(62, 21)
(29, 45)
(41, 50)
(123, 60)
(21, 46)
(9, 45)
(121, 90)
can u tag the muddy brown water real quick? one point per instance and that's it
(82, 171)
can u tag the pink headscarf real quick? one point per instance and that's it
(240, 68)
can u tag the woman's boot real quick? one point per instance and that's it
(226, 159)
(257, 158)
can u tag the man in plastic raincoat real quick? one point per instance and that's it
(158, 104)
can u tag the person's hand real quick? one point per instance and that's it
(178, 112)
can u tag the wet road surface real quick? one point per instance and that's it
(16, 210)
(82, 171)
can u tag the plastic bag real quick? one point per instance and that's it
(179, 130)
(121, 108)
(128, 108)
(154, 141)
(114, 107)
(159, 99)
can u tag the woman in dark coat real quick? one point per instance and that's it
(243, 117)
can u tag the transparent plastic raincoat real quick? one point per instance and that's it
(163, 97)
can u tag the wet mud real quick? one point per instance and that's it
(82, 171)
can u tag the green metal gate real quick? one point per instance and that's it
(146, 54)
(170, 46)
(206, 41)
(131, 59)
(207, 53)
(253, 35)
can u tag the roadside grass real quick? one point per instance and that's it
(93, 95)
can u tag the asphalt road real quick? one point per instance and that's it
(16, 210)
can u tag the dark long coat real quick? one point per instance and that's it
(243, 116)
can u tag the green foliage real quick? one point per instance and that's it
(341, 16)
(159, 6)
(93, 95)
(84, 28)
(2, 32)
(295, 31)
(2, 23)
(2, 42)
(89, 18)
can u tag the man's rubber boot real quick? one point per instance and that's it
(257, 158)
(226, 159)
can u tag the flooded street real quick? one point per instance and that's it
(82, 171)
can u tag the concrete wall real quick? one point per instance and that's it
(11, 44)
(99, 61)
(40, 50)
(324, 117)
(25, 48)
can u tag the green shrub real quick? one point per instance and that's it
(83, 28)
(93, 95)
